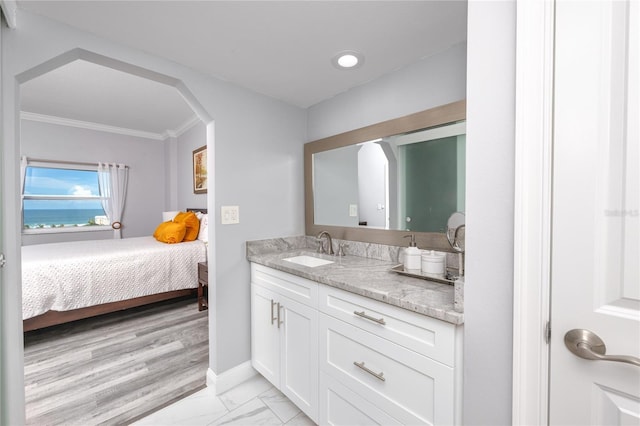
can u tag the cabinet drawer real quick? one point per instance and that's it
(341, 406)
(409, 387)
(296, 288)
(203, 272)
(427, 336)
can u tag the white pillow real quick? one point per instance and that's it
(203, 234)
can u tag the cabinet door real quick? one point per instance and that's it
(265, 336)
(299, 356)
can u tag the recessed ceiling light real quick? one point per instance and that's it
(348, 59)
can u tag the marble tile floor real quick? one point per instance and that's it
(254, 402)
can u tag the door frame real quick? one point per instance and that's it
(535, 21)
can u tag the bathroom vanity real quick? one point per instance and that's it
(350, 341)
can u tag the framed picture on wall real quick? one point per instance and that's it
(200, 170)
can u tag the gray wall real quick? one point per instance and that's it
(434, 81)
(146, 188)
(171, 174)
(4, 401)
(489, 233)
(258, 165)
(335, 186)
(187, 142)
(443, 78)
(372, 185)
(487, 81)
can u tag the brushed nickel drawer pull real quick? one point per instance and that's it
(272, 317)
(363, 315)
(279, 321)
(379, 376)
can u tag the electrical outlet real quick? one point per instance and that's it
(353, 210)
(229, 215)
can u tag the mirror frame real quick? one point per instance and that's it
(455, 111)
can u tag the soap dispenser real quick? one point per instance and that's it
(412, 255)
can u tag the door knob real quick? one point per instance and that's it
(587, 345)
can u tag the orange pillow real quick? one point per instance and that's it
(159, 229)
(170, 232)
(191, 222)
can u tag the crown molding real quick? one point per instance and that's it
(24, 115)
(182, 128)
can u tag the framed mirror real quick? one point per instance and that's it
(384, 181)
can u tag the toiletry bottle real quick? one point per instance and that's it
(412, 255)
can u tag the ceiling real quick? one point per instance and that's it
(84, 94)
(282, 49)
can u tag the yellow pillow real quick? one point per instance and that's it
(170, 232)
(191, 222)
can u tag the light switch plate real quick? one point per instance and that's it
(353, 210)
(229, 215)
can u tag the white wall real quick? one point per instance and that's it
(258, 165)
(145, 192)
(488, 301)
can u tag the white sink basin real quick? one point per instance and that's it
(309, 261)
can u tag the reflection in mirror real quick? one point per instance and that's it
(411, 181)
(455, 231)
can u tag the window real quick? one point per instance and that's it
(57, 199)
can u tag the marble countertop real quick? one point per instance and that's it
(370, 278)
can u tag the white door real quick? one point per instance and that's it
(595, 283)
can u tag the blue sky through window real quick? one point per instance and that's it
(66, 182)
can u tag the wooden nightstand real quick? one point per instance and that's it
(203, 286)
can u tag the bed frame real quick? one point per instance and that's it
(51, 318)
(60, 317)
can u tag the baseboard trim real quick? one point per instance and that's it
(220, 383)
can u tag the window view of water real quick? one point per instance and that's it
(41, 218)
(61, 197)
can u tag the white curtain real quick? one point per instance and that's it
(112, 179)
(23, 176)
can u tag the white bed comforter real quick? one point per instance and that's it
(65, 276)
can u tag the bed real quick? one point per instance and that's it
(64, 282)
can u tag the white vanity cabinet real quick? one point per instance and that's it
(345, 359)
(284, 334)
(386, 363)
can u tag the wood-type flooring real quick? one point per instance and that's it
(115, 368)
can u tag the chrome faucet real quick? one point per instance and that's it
(321, 248)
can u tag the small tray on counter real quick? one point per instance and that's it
(440, 278)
